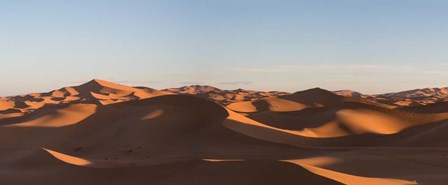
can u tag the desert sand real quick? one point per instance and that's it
(106, 133)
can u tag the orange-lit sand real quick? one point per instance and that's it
(106, 133)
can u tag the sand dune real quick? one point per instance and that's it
(107, 133)
(317, 113)
(59, 117)
(94, 91)
(294, 102)
(223, 97)
(410, 98)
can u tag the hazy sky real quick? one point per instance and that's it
(371, 46)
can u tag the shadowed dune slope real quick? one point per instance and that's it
(440, 107)
(48, 170)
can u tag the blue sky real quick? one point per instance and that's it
(372, 46)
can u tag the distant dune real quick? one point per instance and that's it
(106, 133)
(223, 96)
(413, 98)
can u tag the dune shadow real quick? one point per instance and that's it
(296, 120)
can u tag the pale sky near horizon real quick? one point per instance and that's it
(372, 46)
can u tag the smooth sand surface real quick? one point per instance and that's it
(106, 133)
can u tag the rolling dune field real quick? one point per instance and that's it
(106, 133)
